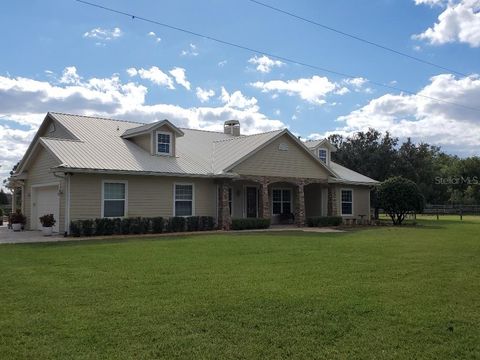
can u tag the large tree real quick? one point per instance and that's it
(368, 153)
(3, 198)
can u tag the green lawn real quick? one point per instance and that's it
(381, 293)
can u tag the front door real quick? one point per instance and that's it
(251, 201)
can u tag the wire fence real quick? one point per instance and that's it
(457, 209)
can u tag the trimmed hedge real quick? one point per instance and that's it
(246, 224)
(140, 225)
(320, 221)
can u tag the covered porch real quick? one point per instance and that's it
(280, 199)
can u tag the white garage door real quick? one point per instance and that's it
(46, 202)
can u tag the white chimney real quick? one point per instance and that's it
(232, 127)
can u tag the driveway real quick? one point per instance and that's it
(8, 236)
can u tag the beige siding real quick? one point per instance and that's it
(39, 173)
(144, 141)
(271, 161)
(147, 195)
(361, 200)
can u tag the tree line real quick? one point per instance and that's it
(442, 178)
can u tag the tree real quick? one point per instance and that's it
(398, 197)
(3, 198)
(369, 153)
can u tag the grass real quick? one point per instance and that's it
(382, 293)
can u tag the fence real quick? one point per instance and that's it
(452, 209)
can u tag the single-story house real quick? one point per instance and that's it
(80, 167)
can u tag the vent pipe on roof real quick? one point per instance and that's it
(232, 127)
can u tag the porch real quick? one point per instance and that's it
(282, 200)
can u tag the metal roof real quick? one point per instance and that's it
(99, 146)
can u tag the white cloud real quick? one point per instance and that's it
(238, 100)
(178, 74)
(154, 74)
(103, 34)
(154, 36)
(222, 63)
(424, 119)
(459, 22)
(265, 64)
(24, 103)
(191, 51)
(431, 2)
(203, 94)
(312, 90)
(69, 76)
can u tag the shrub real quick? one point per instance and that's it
(47, 220)
(176, 224)
(87, 227)
(398, 197)
(103, 226)
(125, 226)
(319, 221)
(157, 225)
(117, 226)
(286, 218)
(139, 225)
(193, 223)
(206, 223)
(76, 228)
(245, 224)
(18, 218)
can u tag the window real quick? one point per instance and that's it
(114, 199)
(164, 143)
(322, 154)
(183, 203)
(230, 200)
(347, 202)
(281, 201)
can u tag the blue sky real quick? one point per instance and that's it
(65, 56)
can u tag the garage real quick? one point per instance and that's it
(45, 200)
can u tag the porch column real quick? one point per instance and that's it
(264, 200)
(223, 209)
(300, 205)
(332, 209)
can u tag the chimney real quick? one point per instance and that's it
(232, 127)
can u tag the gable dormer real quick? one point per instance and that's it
(323, 150)
(158, 138)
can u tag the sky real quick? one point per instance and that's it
(64, 56)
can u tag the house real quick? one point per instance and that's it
(80, 167)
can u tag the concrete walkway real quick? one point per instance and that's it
(8, 236)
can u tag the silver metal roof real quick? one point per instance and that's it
(99, 146)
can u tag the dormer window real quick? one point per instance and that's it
(323, 155)
(164, 143)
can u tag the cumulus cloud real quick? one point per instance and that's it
(178, 74)
(237, 100)
(459, 22)
(69, 76)
(264, 64)
(203, 94)
(312, 90)
(103, 34)
(154, 74)
(424, 119)
(25, 101)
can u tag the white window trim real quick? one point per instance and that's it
(327, 157)
(341, 210)
(175, 199)
(158, 132)
(125, 211)
(281, 202)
